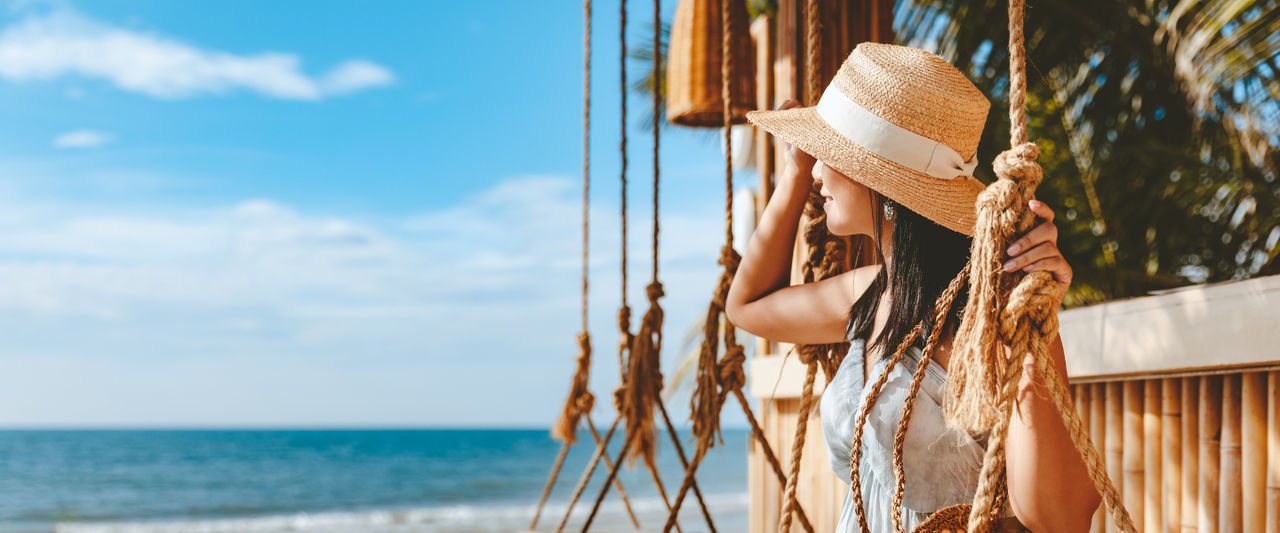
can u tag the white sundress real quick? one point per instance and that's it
(942, 465)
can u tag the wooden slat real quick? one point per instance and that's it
(762, 37)
(1210, 433)
(1171, 452)
(1229, 519)
(1152, 464)
(1115, 441)
(1190, 454)
(1132, 452)
(1273, 452)
(1170, 332)
(1253, 451)
(780, 377)
(1098, 434)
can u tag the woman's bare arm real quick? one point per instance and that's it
(1049, 485)
(761, 299)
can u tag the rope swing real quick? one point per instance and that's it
(581, 400)
(641, 386)
(1004, 309)
(1013, 310)
(826, 259)
(719, 377)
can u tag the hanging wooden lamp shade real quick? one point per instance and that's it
(693, 65)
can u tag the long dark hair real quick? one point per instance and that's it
(925, 258)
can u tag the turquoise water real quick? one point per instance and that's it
(436, 480)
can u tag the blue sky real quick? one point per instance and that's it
(323, 213)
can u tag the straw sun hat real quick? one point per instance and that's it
(901, 121)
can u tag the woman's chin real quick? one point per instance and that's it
(836, 228)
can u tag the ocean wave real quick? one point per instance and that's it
(461, 518)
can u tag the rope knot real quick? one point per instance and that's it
(1019, 164)
(732, 376)
(654, 291)
(624, 319)
(809, 353)
(729, 258)
(580, 400)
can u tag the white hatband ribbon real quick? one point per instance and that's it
(890, 141)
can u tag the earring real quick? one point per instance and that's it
(889, 211)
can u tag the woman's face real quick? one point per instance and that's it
(848, 203)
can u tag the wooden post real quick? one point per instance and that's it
(1210, 432)
(1273, 452)
(1253, 451)
(762, 35)
(1171, 451)
(1132, 452)
(1190, 454)
(1152, 466)
(1098, 434)
(1115, 442)
(1229, 519)
(1080, 394)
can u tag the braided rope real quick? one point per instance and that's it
(706, 401)
(941, 311)
(718, 377)
(1016, 311)
(797, 449)
(826, 255)
(580, 400)
(855, 455)
(624, 311)
(813, 78)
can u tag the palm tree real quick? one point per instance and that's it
(1159, 122)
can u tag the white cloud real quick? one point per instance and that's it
(64, 43)
(82, 139)
(257, 312)
(356, 75)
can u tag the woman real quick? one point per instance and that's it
(895, 137)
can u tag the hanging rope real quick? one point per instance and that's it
(1017, 311)
(580, 400)
(642, 382)
(708, 398)
(825, 259)
(718, 377)
(1013, 310)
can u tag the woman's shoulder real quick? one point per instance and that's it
(861, 279)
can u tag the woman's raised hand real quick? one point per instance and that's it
(798, 163)
(1038, 250)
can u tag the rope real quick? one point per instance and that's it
(645, 367)
(580, 400)
(634, 397)
(624, 311)
(708, 396)
(940, 311)
(826, 259)
(707, 399)
(813, 79)
(718, 377)
(644, 380)
(797, 450)
(855, 455)
(586, 474)
(1018, 311)
(657, 61)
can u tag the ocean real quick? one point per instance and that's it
(428, 481)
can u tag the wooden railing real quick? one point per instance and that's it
(1180, 391)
